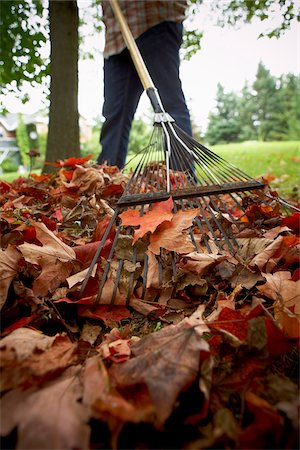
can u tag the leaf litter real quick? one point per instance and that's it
(209, 360)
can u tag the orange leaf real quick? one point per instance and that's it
(9, 260)
(293, 222)
(161, 212)
(104, 312)
(170, 234)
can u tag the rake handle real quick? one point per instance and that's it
(132, 47)
(137, 59)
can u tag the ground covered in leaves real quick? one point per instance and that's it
(212, 364)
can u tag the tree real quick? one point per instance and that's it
(246, 114)
(139, 136)
(63, 134)
(224, 125)
(23, 141)
(25, 30)
(269, 116)
(24, 33)
(289, 89)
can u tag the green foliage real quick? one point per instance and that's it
(93, 145)
(9, 165)
(23, 141)
(268, 110)
(224, 124)
(42, 143)
(232, 12)
(139, 136)
(24, 32)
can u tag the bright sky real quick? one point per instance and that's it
(228, 56)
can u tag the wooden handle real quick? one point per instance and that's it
(132, 47)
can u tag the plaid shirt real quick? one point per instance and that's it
(140, 16)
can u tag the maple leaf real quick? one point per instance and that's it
(104, 401)
(282, 289)
(284, 247)
(293, 222)
(53, 257)
(105, 313)
(39, 365)
(70, 162)
(9, 260)
(24, 341)
(160, 212)
(51, 417)
(267, 424)
(166, 361)
(170, 234)
(200, 262)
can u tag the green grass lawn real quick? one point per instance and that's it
(280, 159)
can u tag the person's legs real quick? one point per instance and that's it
(160, 47)
(122, 90)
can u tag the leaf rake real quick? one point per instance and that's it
(173, 170)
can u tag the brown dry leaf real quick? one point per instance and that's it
(280, 288)
(152, 271)
(167, 362)
(38, 365)
(9, 260)
(105, 402)
(283, 247)
(90, 180)
(191, 279)
(54, 257)
(245, 277)
(51, 417)
(170, 234)
(248, 247)
(142, 307)
(200, 262)
(24, 341)
(52, 247)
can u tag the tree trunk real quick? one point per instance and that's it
(63, 132)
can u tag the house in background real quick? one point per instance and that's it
(37, 124)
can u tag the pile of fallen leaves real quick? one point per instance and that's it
(212, 364)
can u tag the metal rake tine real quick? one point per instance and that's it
(107, 265)
(101, 245)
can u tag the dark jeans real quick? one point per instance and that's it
(159, 47)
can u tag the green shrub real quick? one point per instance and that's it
(9, 165)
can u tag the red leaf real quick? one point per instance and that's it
(29, 234)
(85, 253)
(296, 275)
(19, 324)
(50, 224)
(233, 322)
(68, 174)
(101, 228)
(41, 178)
(112, 189)
(5, 187)
(161, 212)
(105, 313)
(58, 214)
(293, 222)
(278, 343)
(70, 162)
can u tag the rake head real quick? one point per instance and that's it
(182, 202)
